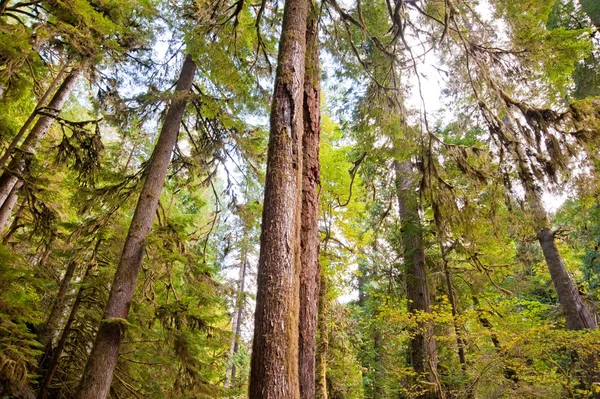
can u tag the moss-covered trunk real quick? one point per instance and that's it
(422, 351)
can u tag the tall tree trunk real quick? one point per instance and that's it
(60, 346)
(423, 355)
(323, 342)
(15, 142)
(58, 307)
(274, 365)
(577, 315)
(17, 165)
(8, 205)
(98, 374)
(310, 272)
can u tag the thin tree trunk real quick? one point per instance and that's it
(58, 307)
(15, 142)
(8, 205)
(15, 223)
(423, 356)
(240, 302)
(323, 342)
(274, 365)
(98, 373)
(60, 346)
(18, 163)
(460, 343)
(310, 273)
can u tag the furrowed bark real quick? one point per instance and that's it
(98, 373)
(15, 142)
(423, 356)
(274, 365)
(12, 173)
(310, 273)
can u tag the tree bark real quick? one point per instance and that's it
(577, 315)
(58, 307)
(423, 356)
(15, 142)
(310, 273)
(18, 163)
(8, 205)
(323, 342)
(98, 374)
(274, 365)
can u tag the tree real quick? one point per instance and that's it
(274, 365)
(98, 372)
(310, 272)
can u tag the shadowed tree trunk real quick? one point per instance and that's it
(58, 307)
(423, 356)
(274, 365)
(310, 272)
(60, 346)
(18, 163)
(98, 373)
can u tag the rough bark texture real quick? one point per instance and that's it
(18, 163)
(577, 315)
(8, 205)
(97, 377)
(58, 308)
(323, 342)
(32, 117)
(422, 351)
(310, 273)
(274, 366)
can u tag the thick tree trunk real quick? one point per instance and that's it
(17, 165)
(8, 205)
(310, 272)
(423, 356)
(15, 142)
(60, 346)
(58, 307)
(98, 374)
(274, 366)
(323, 342)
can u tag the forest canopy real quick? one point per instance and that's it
(299, 199)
